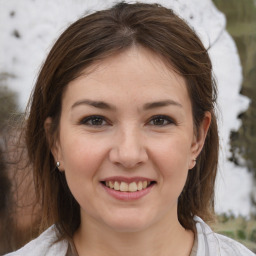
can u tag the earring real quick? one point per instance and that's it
(58, 164)
(194, 159)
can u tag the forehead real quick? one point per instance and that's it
(136, 72)
(137, 59)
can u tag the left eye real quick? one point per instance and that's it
(160, 121)
(94, 121)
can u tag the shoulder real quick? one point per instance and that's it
(43, 245)
(213, 244)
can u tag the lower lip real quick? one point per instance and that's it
(127, 196)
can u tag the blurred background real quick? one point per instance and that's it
(228, 28)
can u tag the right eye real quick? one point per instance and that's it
(97, 121)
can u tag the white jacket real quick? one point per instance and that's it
(209, 244)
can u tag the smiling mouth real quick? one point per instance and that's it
(128, 187)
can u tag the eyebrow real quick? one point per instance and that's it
(96, 104)
(162, 103)
(107, 106)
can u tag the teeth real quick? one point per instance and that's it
(140, 185)
(132, 187)
(111, 184)
(144, 184)
(116, 186)
(125, 187)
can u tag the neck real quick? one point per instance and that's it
(165, 238)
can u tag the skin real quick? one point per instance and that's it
(128, 140)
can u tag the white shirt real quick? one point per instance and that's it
(208, 244)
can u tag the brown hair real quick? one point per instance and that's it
(93, 38)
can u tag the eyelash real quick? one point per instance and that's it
(86, 120)
(164, 120)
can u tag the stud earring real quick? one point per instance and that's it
(58, 164)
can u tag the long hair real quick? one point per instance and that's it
(93, 38)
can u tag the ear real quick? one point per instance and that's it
(199, 138)
(53, 143)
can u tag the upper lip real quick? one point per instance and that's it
(127, 179)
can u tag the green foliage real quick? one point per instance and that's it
(253, 235)
(224, 218)
(230, 234)
(241, 234)
(238, 228)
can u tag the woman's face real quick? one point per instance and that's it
(126, 141)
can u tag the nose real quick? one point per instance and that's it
(128, 149)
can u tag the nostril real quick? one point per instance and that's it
(128, 157)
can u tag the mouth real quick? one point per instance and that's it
(124, 186)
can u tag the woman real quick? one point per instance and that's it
(122, 136)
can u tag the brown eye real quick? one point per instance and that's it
(160, 121)
(94, 121)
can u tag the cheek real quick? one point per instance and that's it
(81, 155)
(82, 160)
(173, 174)
(172, 158)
